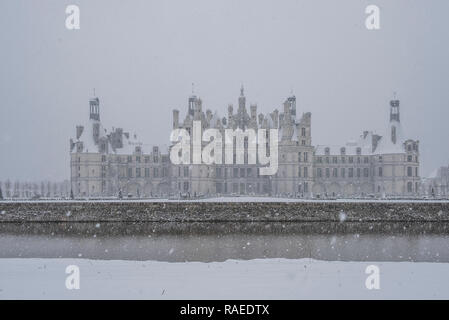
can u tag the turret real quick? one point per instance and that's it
(230, 115)
(253, 112)
(94, 108)
(242, 100)
(292, 103)
(394, 120)
(394, 111)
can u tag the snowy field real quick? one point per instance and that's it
(232, 279)
(235, 199)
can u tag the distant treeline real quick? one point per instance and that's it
(34, 190)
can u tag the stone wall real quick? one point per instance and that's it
(223, 211)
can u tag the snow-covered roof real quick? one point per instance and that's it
(386, 145)
(366, 144)
(129, 145)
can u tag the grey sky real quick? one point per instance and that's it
(142, 56)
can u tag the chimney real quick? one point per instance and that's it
(175, 119)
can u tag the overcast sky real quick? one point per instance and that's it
(142, 57)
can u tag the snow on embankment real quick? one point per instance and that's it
(135, 211)
(231, 279)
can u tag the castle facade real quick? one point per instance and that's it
(111, 163)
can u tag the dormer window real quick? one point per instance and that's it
(359, 151)
(343, 151)
(327, 151)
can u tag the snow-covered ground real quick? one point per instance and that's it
(237, 199)
(232, 279)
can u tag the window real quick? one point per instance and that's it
(327, 172)
(334, 160)
(351, 160)
(343, 160)
(409, 171)
(380, 172)
(156, 172)
(343, 151)
(186, 186)
(409, 159)
(242, 172)
(306, 172)
(327, 151)
(147, 159)
(299, 156)
(303, 142)
(359, 151)
(366, 160)
(319, 172)
(130, 159)
(343, 172)
(366, 172)
(358, 172)
(306, 156)
(335, 173)
(130, 172)
(147, 172)
(103, 158)
(138, 159)
(351, 172)
(236, 172)
(137, 172)
(218, 172)
(416, 172)
(327, 159)
(186, 171)
(303, 132)
(409, 187)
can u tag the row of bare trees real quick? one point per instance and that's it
(34, 190)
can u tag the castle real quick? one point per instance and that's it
(115, 163)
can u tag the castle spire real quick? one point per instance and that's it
(394, 118)
(394, 109)
(94, 108)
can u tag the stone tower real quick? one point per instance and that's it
(394, 119)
